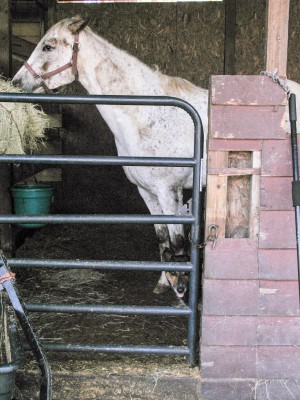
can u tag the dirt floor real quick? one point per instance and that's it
(99, 242)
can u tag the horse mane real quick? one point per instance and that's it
(175, 85)
(170, 85)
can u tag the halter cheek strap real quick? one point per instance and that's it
(40, 79)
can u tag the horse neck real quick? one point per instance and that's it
(105, 69)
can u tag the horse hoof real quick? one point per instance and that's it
(159, 288)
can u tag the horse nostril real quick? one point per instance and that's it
(16, 82)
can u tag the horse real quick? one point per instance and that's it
(71, 51)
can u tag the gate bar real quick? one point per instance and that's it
(102, 265)
(97, 219)
(171, 350)
(197, 178)
(99, 309)
(97, 160)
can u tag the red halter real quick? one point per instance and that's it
(71, 64)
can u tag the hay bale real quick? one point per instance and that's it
(21, 125)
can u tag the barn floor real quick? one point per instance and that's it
(95, 376)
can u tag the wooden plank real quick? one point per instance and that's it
(238, 196)
(228, 362)
(253, 90)
(228, 331)
(6, 240)
(252, 122)
(5, 38)
(276, 193)
(277, 157)
(21, 47)
(230, 34)
(277, 230)
(216, 193)
(228, 389)
(277, 35)
(278, 264)
(234, 145)
(227, 259)
(255, 197)
(230, 297)
(30, 31)
(279, 362)
(279, 298)
(277, 389)
(276, 331)
(234, 171)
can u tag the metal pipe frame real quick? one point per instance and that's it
(194, 220)
(100, 264)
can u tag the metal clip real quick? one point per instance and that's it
(212, 236)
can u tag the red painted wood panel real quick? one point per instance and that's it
(230, 297)
(228, 331)
(274, 331)
(279, 298)
(276, 193)
(277, 389)
(227, 389)
(234, 145)
(228, 362)
(277, 157)
(246, 90)
(278, 362)
(239, 122)
(228, 261)
(280, 264)
(277, 230)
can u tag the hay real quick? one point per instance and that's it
(21, 125)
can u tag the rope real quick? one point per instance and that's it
(275, 78)
(6, 277)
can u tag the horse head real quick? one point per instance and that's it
(53, 62)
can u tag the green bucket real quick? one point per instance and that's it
(7, 381)
(32, 200)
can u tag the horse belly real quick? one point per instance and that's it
(153, 178)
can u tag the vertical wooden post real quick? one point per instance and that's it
(277, 36)
(6, 241)
(230, 34)
(5, 38)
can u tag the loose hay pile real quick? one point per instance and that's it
(21, 125)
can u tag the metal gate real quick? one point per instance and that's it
(192, 219)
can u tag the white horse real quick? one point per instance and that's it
(69, 51)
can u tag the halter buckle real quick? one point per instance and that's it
(39, 79)
(75, 46)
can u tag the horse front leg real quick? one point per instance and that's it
(162, 234)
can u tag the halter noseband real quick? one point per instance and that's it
(40, 79)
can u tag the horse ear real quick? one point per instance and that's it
(77, 24)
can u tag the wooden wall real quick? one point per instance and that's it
(251, 319)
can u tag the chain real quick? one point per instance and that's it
(212, 237)
(275, 78)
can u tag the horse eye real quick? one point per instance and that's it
(173, 273)
(47, 47)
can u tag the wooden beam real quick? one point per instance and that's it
(5, 38)
(277, 36)
(5, 170)
(230, 34)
